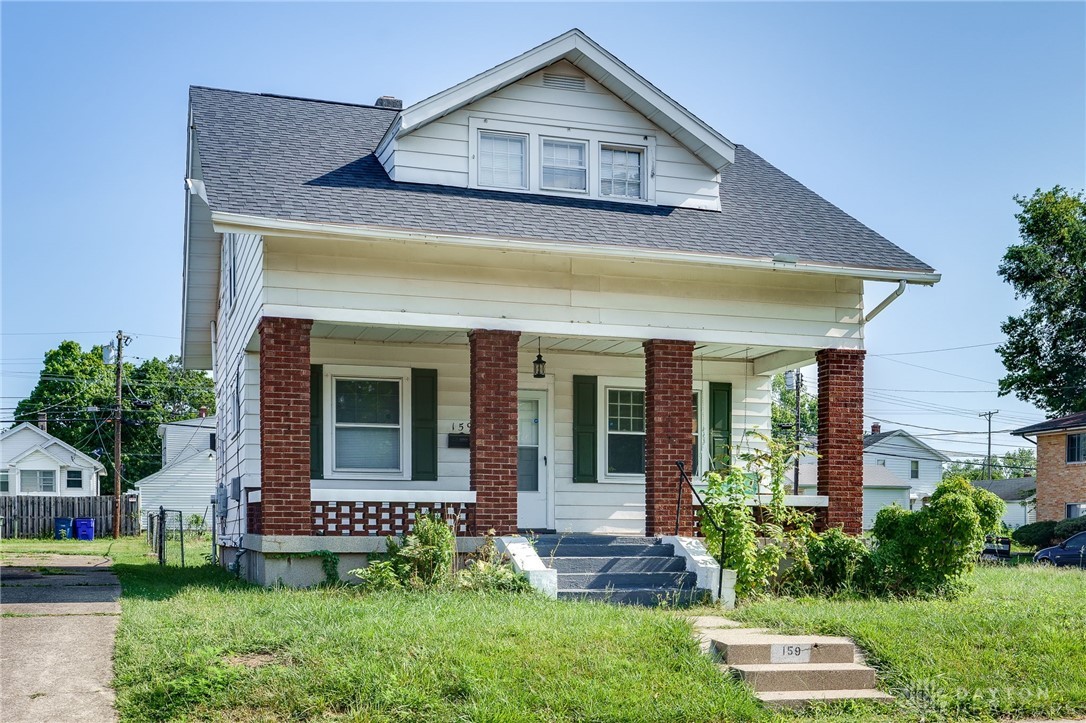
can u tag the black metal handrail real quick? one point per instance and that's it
(708, 513)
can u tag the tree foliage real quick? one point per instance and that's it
(784, 411)
(1015, 463)
(1045, 350)
(77, 391)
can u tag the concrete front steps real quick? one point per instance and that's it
(629, 570)
(794, 670)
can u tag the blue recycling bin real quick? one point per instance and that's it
(84, 528)
(62, 528)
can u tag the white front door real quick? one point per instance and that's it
(533, 487)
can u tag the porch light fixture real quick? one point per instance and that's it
(539, 366)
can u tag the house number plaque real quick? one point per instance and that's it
(790, 653)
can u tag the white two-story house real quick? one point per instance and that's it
(518, 302)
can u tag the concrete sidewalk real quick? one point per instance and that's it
(56, 638)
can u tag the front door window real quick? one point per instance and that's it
(532, 477)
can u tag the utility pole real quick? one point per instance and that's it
(988, 458)
(121, 341)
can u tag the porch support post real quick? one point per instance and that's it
(840, 438)
(493, 466)
(669, 434)
(284, 427)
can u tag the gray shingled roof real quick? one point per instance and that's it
(1010, 490)
(305, 160)
(1071, 421)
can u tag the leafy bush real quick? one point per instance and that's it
(1036, 534)
(837, 561)
(1065, 529)
(428, 552)
(379, 575)
(490, 570)
(929, 551)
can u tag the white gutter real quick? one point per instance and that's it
(241, 223)
(887, 301)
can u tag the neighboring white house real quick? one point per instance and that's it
(908, 458)
(34, 462)
(882, 488)
(518, 302)
(186, 481)
(1020, 494)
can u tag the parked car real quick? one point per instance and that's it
(1069, 553)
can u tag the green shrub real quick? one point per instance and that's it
(1035, 534)
(489, 570)
(836, 561)
(929, 551)
(1065, 529)
(988, 506)
(428, 552)
(379, 575)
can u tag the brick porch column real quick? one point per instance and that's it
(284, 427)
(493, 466)
(669, 409)
(840, 438)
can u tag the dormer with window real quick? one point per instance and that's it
(566, 119)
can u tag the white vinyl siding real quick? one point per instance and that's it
(34, 481)
(439, 152)
(503, 160)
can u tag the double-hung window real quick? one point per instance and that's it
(74, 479)
(625, 432)
(503, 160)
(368, 424)
(1076, 447)
(914, 469)
(37, 480)
(564, 165)
(622, 172)
(5, 486)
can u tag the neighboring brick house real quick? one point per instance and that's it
(1061, 466)
(517, 303)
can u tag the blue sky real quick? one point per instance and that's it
(922, 120)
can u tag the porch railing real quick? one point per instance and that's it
(708, 514)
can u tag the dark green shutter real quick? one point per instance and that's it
(720, 423)
(316, 421)
(424, 424)
(584, 429)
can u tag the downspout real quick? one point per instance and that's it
(886, 302)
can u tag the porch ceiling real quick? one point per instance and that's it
(528, 341)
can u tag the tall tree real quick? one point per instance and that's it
(1045, 350)
(1016, 463)
(76, 391)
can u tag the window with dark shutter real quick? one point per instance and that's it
(424, 424)
(316, 421)
(720, 424)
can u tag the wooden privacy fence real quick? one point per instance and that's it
(32, 516)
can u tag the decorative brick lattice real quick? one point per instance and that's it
(382, 519)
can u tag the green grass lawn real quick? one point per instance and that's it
(1016, 646)
(195, 644)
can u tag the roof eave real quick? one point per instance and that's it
(701, 139)
(240, 223)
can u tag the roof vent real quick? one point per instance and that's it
(387, 101)
(563, 82)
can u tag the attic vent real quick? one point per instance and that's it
(563, 82)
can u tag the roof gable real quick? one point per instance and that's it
(574, 46)
(872, 442)
(46, 445)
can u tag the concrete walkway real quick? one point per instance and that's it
(59, 620)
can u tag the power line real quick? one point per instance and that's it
(938, 371)
(933, 351)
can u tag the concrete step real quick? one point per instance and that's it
(801, 698)
(585, 539)
(624, 580)
(614, 564)
(648, 597)
(740, 647)
(806, 676)
(566, 549)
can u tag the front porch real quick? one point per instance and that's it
(362, 428)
